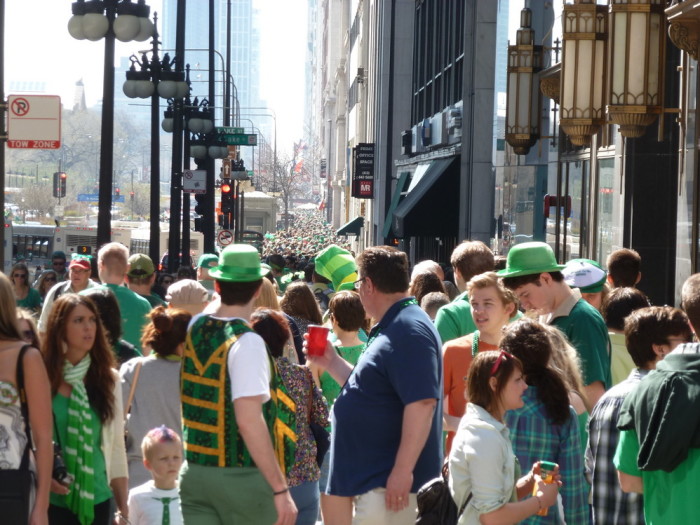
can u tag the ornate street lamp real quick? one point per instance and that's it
(152, 78)
(93, 20)
(637, 51)
(523, 103)
(583, 70)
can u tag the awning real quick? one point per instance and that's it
(432, 204)
(352, 227)
(395, 199)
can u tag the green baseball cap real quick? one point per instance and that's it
(238, 263)
(140, 265)
(528, 258)
(207, 260)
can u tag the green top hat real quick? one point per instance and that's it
(238, 263)
(528, 258)
(338, 266)
(585, 274)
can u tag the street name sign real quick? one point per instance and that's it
(230, 131)
(34, 121)
(240, 139)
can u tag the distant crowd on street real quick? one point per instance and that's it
(305, 383)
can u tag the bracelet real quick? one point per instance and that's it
(286, 489)
(539, 503)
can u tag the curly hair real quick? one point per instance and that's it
(99, 380)
(299, 301)
(166, 330)
(530, 342)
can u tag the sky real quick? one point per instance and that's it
(38, 48)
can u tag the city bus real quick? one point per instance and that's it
(34, 243)
(141, 241)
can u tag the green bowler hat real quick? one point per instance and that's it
(337, 265)
(238, 263)
(528, 258)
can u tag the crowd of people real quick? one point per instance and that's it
(195, 399)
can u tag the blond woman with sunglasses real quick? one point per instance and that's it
(25, 296)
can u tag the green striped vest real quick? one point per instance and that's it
(210, 432)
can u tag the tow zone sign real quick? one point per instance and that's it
(34, 121)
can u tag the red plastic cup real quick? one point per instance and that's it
(317, 340)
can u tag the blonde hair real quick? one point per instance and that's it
(9, 328)
(565, 358)
(114, 256)
(155, 436)
(268, 297)
(491, 280)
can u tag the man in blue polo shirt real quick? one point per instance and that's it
(387, 428)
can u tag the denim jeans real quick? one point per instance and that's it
(306, 497)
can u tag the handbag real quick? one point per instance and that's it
(16, 485)
(435, 503)
(130, 399)
(320, 434)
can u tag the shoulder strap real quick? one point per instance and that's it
(24, 406)
(445, 478)
(132, 390)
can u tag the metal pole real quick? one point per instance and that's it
(185, 261)
(176, 175)
(229, 77)
(210, 195)
(6, 264)
(154, 239)
(104, 216)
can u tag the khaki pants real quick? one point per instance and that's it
(370, 509)
(225, 496)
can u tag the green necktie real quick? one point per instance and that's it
(166, 509)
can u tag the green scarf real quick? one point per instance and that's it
(78, 449)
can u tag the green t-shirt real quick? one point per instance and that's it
(455, 319)
(154, 300)
(134, 310)
(669, 497)
(32, 301)
(586, 331)
(60, 412)
(329, 386)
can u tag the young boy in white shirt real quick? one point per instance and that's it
(157, 502)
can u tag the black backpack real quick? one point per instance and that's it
(435, 503)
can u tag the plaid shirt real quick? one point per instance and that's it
(610, 504)
(535, 438)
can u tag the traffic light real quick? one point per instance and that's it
(226, 198)
(201, 209)
(59, 184)
(117, 191)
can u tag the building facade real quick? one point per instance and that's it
(426, 82)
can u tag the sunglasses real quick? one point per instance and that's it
(22, 275)
(50, 279)
(501, 357)
(27, 335)
(59, 263)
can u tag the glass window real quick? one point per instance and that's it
(610, 201)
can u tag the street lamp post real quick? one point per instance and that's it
(94, 20)
(154, 78)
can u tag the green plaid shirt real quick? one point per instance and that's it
(535, 438)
